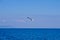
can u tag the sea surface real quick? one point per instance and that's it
(29, 34)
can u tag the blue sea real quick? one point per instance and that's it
(29, 34)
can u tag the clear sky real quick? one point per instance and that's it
(45, 13)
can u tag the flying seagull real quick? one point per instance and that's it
(29, 18)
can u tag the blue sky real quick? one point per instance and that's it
(45, 13)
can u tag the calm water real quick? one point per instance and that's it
(29, 34)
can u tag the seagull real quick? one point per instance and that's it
(29, 18)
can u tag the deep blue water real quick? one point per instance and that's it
(29, 34)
